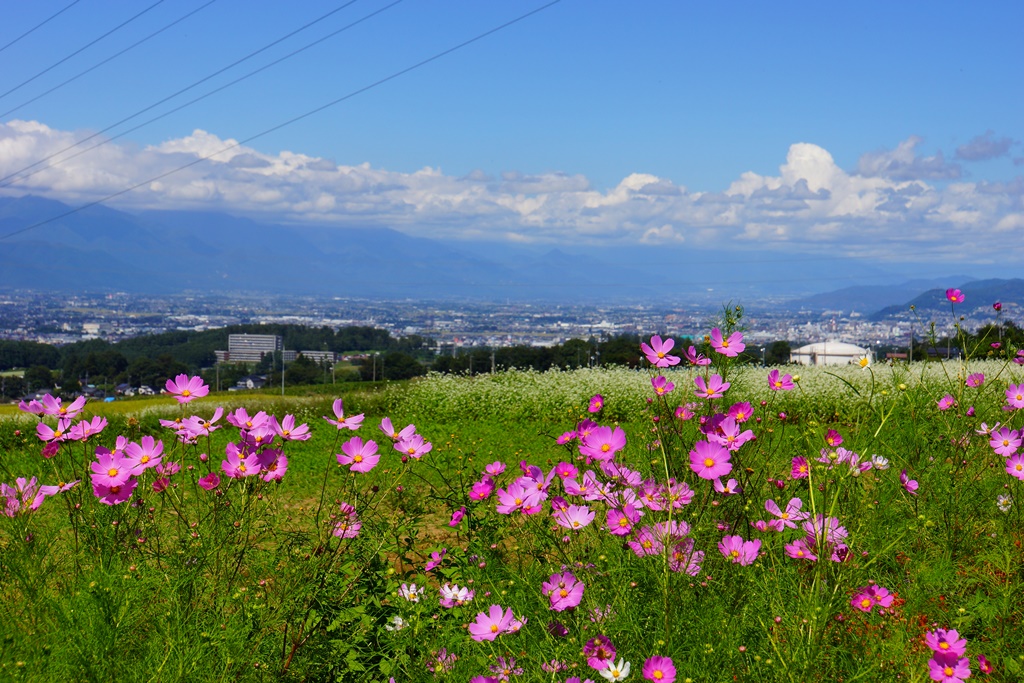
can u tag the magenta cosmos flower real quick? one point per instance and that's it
(436, 559)
(287, 430)
(697, 358)
(710, 460)
(596, 403)
(946, 402)
(563, 590)
(414, 446)
(866, 598)
(457, 516)
(1015, 465)
(599, 652)
(778, 382)
(909, 484)
(946, 641)
(1015, 396)
(738, 551)
(731, 346)
(955, 296)
(209, 482)
(714, 387)
(185, 388)
(114, 494)
(791, 515)
(361, 456)
(603, 443)
(657, 352)
(975, 380)
(661, 385)
(948, 668)
(492, 624)
(659, 670)
(1005, 442)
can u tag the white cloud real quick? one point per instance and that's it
(887, 207)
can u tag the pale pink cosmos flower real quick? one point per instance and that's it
(239, 464)
(791, 515)
(949, 668)
(1005, 442)
(574, 517)
(86, 428)
(343, 422)
(777, 382)
(33, 406)
(976, 379)
(396, 434)
(451, 595)
(710, 460)
(52, 406)
(738, 551)
(492, 624)
(684, 558)
(287, 430)
(714, 387)
(27, 495)
(348, 525)
(564, 591)
(185, 388)
(729, 488)
(657, 352)
(515, 497)
(362, 457)
(110, 469)
(730, 435)
(414, 446)
(729, 347)
(245, 422)
(955, 296)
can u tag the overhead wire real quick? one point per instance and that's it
(180, 92)
(108, 59)
(44, 22)
(81, 49)
(289, 122)
(8, 180)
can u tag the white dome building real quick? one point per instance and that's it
(829, 353)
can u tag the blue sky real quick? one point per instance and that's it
(643, 122)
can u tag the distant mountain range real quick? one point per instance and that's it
(162, 252)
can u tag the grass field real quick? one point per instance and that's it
(318, 576)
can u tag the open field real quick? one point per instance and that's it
(310, 577)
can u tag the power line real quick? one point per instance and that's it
(108, 59)
(290, 121)
(179, 92)
(40, 25)
(10, 179)
(84, 47)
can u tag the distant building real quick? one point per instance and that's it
(250, 348)
(319, 357)
(829, 353)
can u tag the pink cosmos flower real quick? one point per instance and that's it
(414, 446)
(343, 422)
(239, 464)
(909, 484)
(348, 525)
(596, 403)
(685, 412)
(86, 428)
(435, 560)
(603, 443)
(140, 457)
(741, 412)
(659, 670)
(492, 624)
(866, 598)
(453, 596)
(710, 460)
(110, 469)
(983, 663)
(741, 552)
(287, 430)
(791, 515)
(52, 406)
(695, 358)
(565, 470)
(729, 488)
(948, 668)
(955, 296)
(1005, 442)
(116, 493)
(58, 435)
(730, 435)
(362, 457)
(780, 383)
(657, 352)
(975, 380)
(457, 516)
(1015, 396)
(661, 385)
(481, 490)
(33, 406)
(946, 641)
(713, 388)
(599, 652)
(185, 388)
(1015, 466)
(946, 402)
(1019, 358)
(273, 465)
(563, 590)
(241, 419)
(800, 550)
(495, 468)
(833, 438)
(27, 495)
(684, 558)
(516, 497)
(395, 434)
(574, 517)
(209, 482)
(731, 347)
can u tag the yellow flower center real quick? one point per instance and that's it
(186, 393)
(112, 472)
(709, 462)
(357, 458)
(605, 448)
(865, 603)
(944, 645)
(494, 628)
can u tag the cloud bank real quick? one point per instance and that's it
(895, 205)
